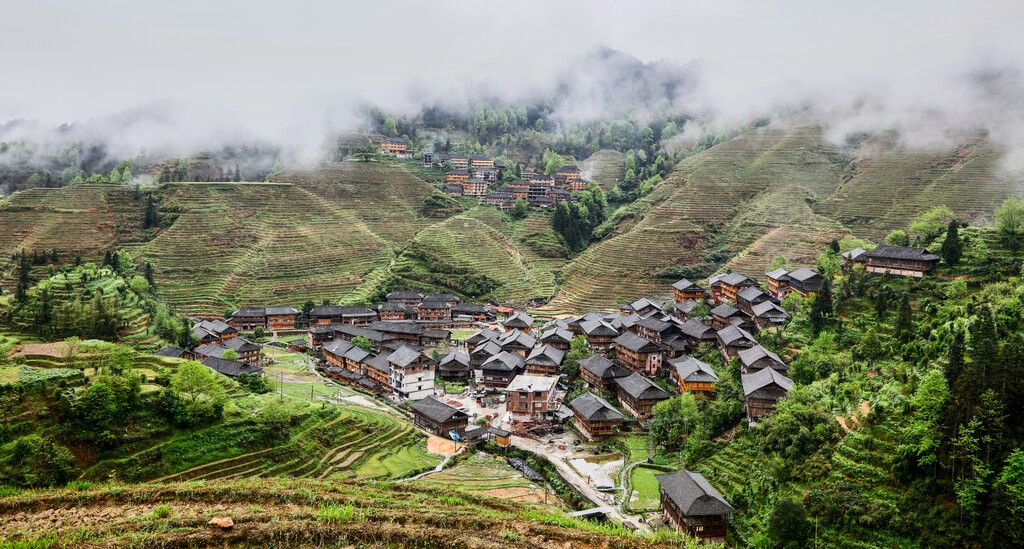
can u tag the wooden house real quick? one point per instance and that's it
(474, 187)
(520, 188)
(696, 332)
(500, 369)
(599, 335)
(248, 318)
(481, 162)
(213, 331)
(483, 352)
(684, 289)
(459, 162)
(853, 257)
(474, 312)
(405, 297)
(748, 297)
(901, 261)
(230, 368)
(453, 190)
(406, 332)
(595, 418)
(378, 340)
(482, 335)
(521, 321)
(762, 390)
(544, 361)
(638, 354)
(802, 281)
(638, 395)
(685, 310)
(176, 352)
(358, 316)
(457, 177)
(566, 175)
(517, 342)
(281, 318)
(455, 367)
(320, 334)
(434, 310)
(355, 359)
(695, 376)
(724, 315)
(378, 372)
(642, 307)
(395, 146)
(246, 351)
(733, 339)
(326, 314)
(412, 373)
(726, 287)
(757, 358)
(691, 505)
(600, 373)
(531, 398)
(395, 312)
(655, 330)
(557, 337)
(438, 418)
(334, 352)
(769, 314)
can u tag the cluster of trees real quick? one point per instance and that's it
(575, 222)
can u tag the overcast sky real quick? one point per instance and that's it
(284, 68)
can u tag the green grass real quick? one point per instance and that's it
(646, 495)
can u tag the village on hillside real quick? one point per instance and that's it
(478, 176)
(508, 376)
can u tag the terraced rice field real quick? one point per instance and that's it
(241, 244)
(605, 166)
(485, 475)
(354, 443)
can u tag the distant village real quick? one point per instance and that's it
(477, 176)
(642, 354)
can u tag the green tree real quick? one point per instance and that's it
(552, 161)
(952, 248)
(1010, 223)
(195, 382)
(126, 175)
(578, 351)
(788, 525)
(230, 354)
(258, 332)
(363, 343)
(897, 238)
(521, 210)
(674, 419)
(904, 327)
(928, 226)
(1007, 513)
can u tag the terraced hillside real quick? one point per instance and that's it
(605, 166)
(782, 189)
(256, 243)
(296, 513)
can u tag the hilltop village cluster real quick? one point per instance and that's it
(402, 349)
(477, 176)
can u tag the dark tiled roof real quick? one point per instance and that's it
(327, 310)
(454, 361)
(901, 252)
(516, 338)
(736, 279)
(390, 326)
(685, 284)
(749, 356)
(404, 294)
(241, 345)
(557, 333)
(752, 293)
(752, 383)
(546, 354)
(504, 361)
(692, 494)
(598, 328)
(730, 334)
(777, 274)
(595, 408)
(802, 274)
(230, 368)
(337, 347)
(250, 312)
(725, 310)
(171, 351)
(404, 356)
(635, 343)
(603, 368)
(273, 311)
(769, 310)
(686, 307)
(652, 323)
(854, 254)
(696, 329)
(436, 410)
(695, 371)
(641, 388)
(520, 320)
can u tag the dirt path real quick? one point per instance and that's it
(55, 349)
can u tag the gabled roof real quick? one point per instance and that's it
(516, 338)
(768, 309)
(404, 356)
(636, 343)
(598, 328)
(324, 328)
(694, 371)
(455, 360)
(435, 304)
(470, 308)
(644, 303)
(685, 307)
(557, 333)
(751, 293)
(504, 361)
(171, 351)
(641, 388)
(249, 312)
(520, 320)
(685, 284)
(356, 354)
(451, 298)
(435, 333)
(777, 274)
(803, 273)
(393, 307)
(525, 382)
(240, 345)
(230, 368)
(483, 334)
(546, 354)
(731, 334)
(696, 329)
(377, 362)
(397, 327)
(692, 494)
(752, 383)
(368, 333)
(404, 294)
(654, 324)
(487, 348)
(749, 356)
(327, 310)
(725, 310)
(274, 311)
(436, 410)
(337, 347)
(854, 254)
(901, 252)
(736, 279)
(603, 368)
(595, 408)
(568, 169)
(211, 349)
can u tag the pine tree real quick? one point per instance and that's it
(881, 303)
(148, 273)
(834, 246)
(24, 279)
(952, 247)
(955, 366)
(150, 218)
(238, 173)
(984, 348)
(905, 320)
(107, 259)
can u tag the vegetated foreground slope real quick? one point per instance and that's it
(293, 513)
(778, 190)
